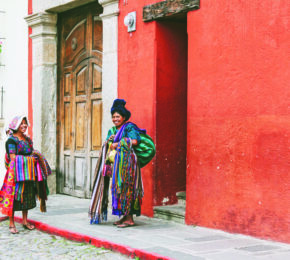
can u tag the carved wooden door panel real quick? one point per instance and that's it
(79, 98)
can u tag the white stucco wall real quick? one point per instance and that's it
(15, 53)
(13, 76)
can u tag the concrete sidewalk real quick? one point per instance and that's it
(171, 240)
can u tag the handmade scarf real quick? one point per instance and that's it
(99, 201)
(126, 180)
(42, 167)
(127, 187)
(119, 134)
(20, 169)
(24, 168)
(43, 170)
(31, 168)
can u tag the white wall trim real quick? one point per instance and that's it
(110, 60)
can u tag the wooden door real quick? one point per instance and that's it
(79, 98)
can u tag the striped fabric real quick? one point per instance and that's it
(24, 168)
(99, 202)
(27, 168)
(19, 188)
(6, 161)
(31, 168)
(127, 185)
(42, 166)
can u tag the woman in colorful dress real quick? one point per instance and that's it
(118, 159)
(25, 177)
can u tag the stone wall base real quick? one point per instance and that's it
(51, 182)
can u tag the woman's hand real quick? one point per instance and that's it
(111, 138)
(114, 146)
(134, 142)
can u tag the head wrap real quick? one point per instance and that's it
(119, 107)
(16, 121)
(8, 131)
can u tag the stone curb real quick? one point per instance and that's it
(125, 250)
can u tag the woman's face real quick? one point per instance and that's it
(23, 126)
(118, 120)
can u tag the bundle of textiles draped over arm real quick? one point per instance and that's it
(127, 187)
(32, 168)
(25, 178)
(99, 203)
(123, 165)
(42, 172)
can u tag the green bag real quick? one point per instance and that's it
(145, 150)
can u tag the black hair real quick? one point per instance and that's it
(119, 107)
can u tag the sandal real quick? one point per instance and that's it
(13, 230)
(28, 226)
(126, 224)
(119, 222)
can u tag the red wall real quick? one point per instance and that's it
(137, 81)
(238, 117)
(142, 85)
(238, 123)
(171, 110)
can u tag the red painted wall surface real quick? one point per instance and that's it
(138, 79)
(238, 122)
(239, 117)
(137, 82)
(171, 108)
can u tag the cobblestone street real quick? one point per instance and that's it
(38, 245)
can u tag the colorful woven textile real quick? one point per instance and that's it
(31, 168)
(24, 168)
(99, 202)
(42, 166)
(7, 191)
(11, 190)
(19, 189)
(28, 198)
(6, 161)
(127, 185)
(145, 150)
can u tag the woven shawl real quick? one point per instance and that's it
(99, 202)
(127, 184)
